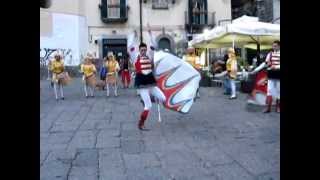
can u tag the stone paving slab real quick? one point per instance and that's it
(98, 139)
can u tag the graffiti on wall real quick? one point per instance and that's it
(46, 54)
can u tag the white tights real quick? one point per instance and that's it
(55, 90)
(115, 87)
(90, 89)
(145, 96)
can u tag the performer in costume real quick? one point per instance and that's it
(232, 71)
(113, 68)
(194, 61)
(59, 76)
(272, 63)
(144, 79)
(125, 73)
(89, 70)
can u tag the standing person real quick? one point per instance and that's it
(89, 71)
(232, 71)
(272, 63)
(194, 61)
(144, 80)
(226, 81)
(59, 76)
(224, 75)
(113, 68)
(125, 73)
(103, 73)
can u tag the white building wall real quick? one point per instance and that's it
(91, 28)
(63, 26)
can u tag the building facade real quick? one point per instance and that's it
(266, 10)
(103, 25)
(63, 28)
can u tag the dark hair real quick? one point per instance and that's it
(142, 45)
(277, 42)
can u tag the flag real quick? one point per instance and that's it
(177, 79)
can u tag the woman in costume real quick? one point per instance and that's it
(113, 68)
(89, 76)
(59, 76)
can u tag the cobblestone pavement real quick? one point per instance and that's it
(97, 139)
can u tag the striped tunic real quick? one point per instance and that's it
(273, 61)
(144, 76)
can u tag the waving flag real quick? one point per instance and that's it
(177, 79)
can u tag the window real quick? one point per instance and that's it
(198, 12)
(113, 8)
(160, 4)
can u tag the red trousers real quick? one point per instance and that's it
(125, 75)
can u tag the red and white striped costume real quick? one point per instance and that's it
(144, 79)
(273, 62)
(143, 65)
(273, 89)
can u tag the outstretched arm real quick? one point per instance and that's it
(261, 66)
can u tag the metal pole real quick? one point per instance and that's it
(141, 37)
(258, 50)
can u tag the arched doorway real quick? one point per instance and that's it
(164, 43)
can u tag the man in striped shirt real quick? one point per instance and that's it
(142, 59)
(273, 68)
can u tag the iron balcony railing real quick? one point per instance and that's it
(202, 18)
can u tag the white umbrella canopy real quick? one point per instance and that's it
(242, 31)
(197, 39)
(262, 47)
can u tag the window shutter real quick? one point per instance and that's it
(104, 9)
(123, 9)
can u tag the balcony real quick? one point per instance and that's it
(117, 13)
(196, 22)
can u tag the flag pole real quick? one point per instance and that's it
(159, 114)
